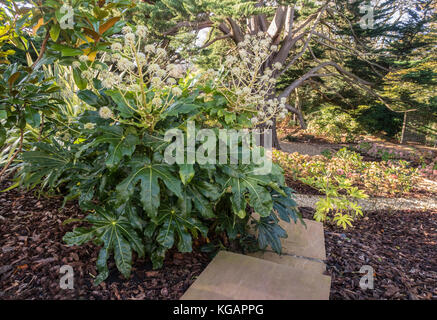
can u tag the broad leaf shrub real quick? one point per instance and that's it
(113, 163)
(334, 124)
(343, 177)
(25, 94)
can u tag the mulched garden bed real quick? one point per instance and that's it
(401, 246)
(32, 252)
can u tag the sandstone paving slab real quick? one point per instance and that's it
(309, 265)
(305, 241)
(232, 276)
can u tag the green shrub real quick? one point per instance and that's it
(335, 124)
(114, 164)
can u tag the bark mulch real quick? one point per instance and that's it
(401, 247)
(32, 252)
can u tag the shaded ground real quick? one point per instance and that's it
(32, 252)
(401, 246)
(310, 149)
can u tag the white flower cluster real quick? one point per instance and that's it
(105, 113)
(89, 126)
(138, 70)
(249, 83)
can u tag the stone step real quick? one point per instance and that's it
(304, 247)
(317, 267)
(232, 276)
(304, 240)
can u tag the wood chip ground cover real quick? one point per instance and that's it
(32, 253)
(401, 246)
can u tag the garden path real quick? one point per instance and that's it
(376, 203)
(297, 274)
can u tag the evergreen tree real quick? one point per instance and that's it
(306, 32)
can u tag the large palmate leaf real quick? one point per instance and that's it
(124, 104)
(121, 143)
(270, 233)
(285, 206)
(49, 164)
(248, 188)
(201, 195)
(173, 223)
(116, 234)
(147, 174)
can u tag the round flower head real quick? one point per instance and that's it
(115, 57)
(89, 126)
(124, 64)
(153, 68)
(156, 82)
(83, 58)
(156, 101)
(150, 48)
(177, 71)
(176, 91)
(171, 81)
(141, 58)
(126, 29)
(105, 113)
(141, 31)
(76, 64)
(161, 73)
(116, 46)
(277, 65)
(129, 38)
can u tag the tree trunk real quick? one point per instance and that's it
(275, 142)
(404, 126)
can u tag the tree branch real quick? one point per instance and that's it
(313, 73)
(43, 49)
(188, 24)
(236, 32)
(208, 43)
(277, 24)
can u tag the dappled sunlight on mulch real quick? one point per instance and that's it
(32, 252)
(401, 246)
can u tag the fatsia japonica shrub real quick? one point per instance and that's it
(116, 165)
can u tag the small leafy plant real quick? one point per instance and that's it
(343, 177)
